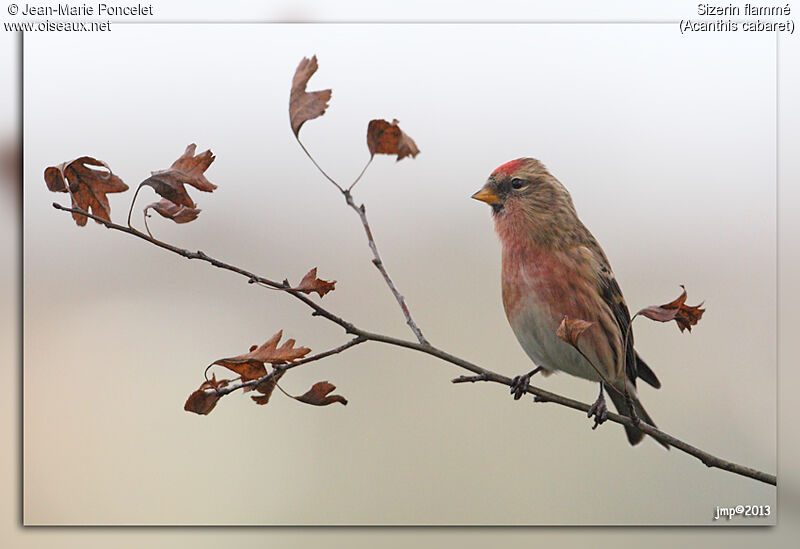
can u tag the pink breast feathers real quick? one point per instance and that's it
(536, 274)
(509, 167)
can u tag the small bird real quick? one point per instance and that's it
(554, 268)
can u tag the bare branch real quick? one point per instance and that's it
(252, 278)
(708, 459)
(482, 374)
(378, 262)
(470, 379)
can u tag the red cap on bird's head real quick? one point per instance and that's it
(510, 167)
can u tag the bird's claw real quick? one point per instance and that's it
(519, 385)
(599, 410)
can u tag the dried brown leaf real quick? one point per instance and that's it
(170, 210)
(570, 329)
(684, 315)
(54, 178)
(188, 169)
(311, 283)
(87, 186)
(247, 368)
(195, 167)
(318, 395)
(203, 400)
(287, 353)
(252, 364)
(386, 138)
(303, 105)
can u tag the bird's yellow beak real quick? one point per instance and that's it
(485, 195)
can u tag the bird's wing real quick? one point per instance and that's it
(612, 295)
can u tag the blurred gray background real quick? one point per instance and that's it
(668, 148)
(666, 142)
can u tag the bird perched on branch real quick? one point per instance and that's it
(554, 268)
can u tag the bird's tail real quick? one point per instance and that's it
(635, 436)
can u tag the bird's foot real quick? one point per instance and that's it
(599, 410)
(520, 384)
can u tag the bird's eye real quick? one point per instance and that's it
(518, 184)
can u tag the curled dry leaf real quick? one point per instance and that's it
(303, 105)
(203, 400)
(318, 395)
(188, 169)
(684, 315)
(170, 210)
(195, 166)
(570, 329)
(311, 283)
(251, 365)
(266, 388)
(87, 186)
(386, 138)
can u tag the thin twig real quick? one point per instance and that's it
(231, 387)
(146, 227)
(378, 262)
(133, 201)
(363, 171)
(282, 391)
(352, 343)
(596, 369)
(487, 375)
(308, 154)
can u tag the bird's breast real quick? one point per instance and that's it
(533, 278)
(539, 290)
